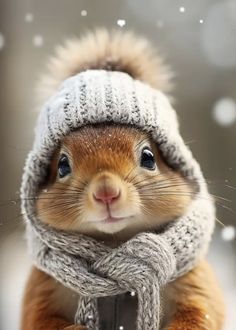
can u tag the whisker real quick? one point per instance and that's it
(184, 194)
(231, 187)
(220, 222)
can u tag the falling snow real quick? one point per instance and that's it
(228, 233)
(29, 17)
(160, 23)
(201, 21)
(84, 12)
(38, 40)
(224, 111)
(182, 9)
(121, 22)
(2, 41)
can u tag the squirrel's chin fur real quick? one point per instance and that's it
(113, 51)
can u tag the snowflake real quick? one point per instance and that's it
(38, 40)
(228, 233)
(224, 111)
(29, 17)
(160, 23)
(84, 12)
(121, 22)
(2, 41)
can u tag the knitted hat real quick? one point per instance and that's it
(98, 96)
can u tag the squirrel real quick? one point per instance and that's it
(110, 182)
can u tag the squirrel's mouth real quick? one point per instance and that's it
(111, 219)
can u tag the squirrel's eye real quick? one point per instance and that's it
(63, 166)
(147, 159)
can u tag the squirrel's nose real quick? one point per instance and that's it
(106, 195)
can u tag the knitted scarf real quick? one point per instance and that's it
(146, 262)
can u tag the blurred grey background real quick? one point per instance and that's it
(198, 39)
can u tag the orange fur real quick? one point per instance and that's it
(43, 305)
(108, 155)
(151, 197)
(195, 297)
(198, 301)
(192, 296)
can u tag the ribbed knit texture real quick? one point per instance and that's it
(147, 261)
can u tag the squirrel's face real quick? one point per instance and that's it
(109, 179)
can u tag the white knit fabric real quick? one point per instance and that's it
(148, 260)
